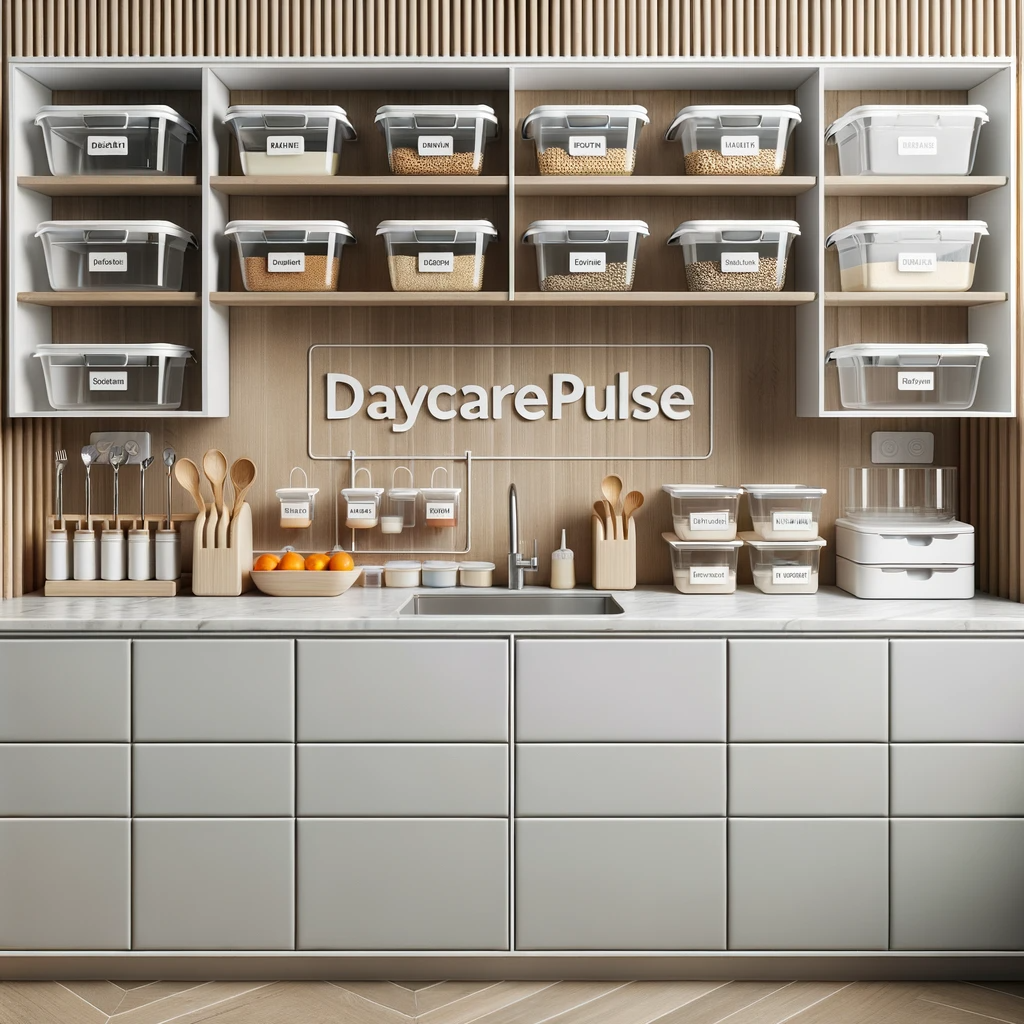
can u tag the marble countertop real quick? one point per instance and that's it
(646, 610)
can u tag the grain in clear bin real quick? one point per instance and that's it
(586, 255)
(431, 138)
(585, 138)
(290, 256)
(735, 255)
(436, 255)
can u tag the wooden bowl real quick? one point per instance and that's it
(302, 583)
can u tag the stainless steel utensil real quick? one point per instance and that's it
(143, 466)
(60, 459)
(90, 453)
(118, 457)
(170, 457)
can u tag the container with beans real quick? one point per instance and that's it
(586, 255)
(735, 255)
(585, 139)
(436, 255)
(290, 256)
(734, 139)
(437, 139)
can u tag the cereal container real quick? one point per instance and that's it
(436, 255)
(289, 139)
(437, 139)
(586, 255)
(734, 139)
(703, 512)
(585, 139)
(784, 566)
(702, 566)
(290, 256)
(735, 255)
(784, 511)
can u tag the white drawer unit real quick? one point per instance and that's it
(957, 780)
(905, 582)
(49, 780)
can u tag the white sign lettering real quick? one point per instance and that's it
(285, 145)
(106, 145)
(435, 145)
(917, 145)
(740, 263)
(740, 145)
(436, 262)
(586, 263)
(588, 145)
(108, 262)
(915, 380)
(915, 262)
(108, 380)
(707, 575)
(286, 262)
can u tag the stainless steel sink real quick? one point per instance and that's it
(513, 603)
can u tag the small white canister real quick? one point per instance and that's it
(168, 554)
(57, 555)
(402, 574)
(113, 555)
(140, 561)
(440, 574)
(85, 555)
(297, 503)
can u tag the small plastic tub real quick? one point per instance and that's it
(897, 377)
(735, 255)
(734, 139)
(907, 255)
(925, 139)
(113, 139)
(402, 574)
(114, 255)
(909, 542)
(441, 507)
(585, 139)
(290, 139)
(437, 138)
(704, 512)
(703, 567)
(476, 574)
(436, 255)
(899, 495)
(784, 566)
(440, 574)
(784, 511)
(586, 255)
(373, 576)
(391, 524)
(290, 256)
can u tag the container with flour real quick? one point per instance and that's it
(290, 140)
(784, 511)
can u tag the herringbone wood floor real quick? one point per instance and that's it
(509, 1002)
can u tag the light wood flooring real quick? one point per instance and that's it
(509, 1002)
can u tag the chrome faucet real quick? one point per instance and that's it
(517, 565)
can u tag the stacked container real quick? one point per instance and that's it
(585, 255)
(704, 546)
(282, 140)
(290, 256)
(436, 255)
(585, 139)
(785, 549)
(437, 138)
(735, 255)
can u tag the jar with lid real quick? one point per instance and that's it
(297, 503)
(476, 574)
(372, 576)
(362, 504)
(402, 500)
(441, 504)
(440, 574)
(402, 574)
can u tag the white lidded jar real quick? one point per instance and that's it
(85, 555)
(57, 555)
(476, 574)
(402, 573)
(440, 574)
(440, 504)
(297, 503)
(362, 504)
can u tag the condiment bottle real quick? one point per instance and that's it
(563, 568)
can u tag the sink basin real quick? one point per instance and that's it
(512, 603)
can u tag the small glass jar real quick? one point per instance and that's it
(372, 577)
(391, 524)
(402, 500)
(402, 574)
(362, 504)
(476, 574)
(297, 503)
(441, 504)
(440, 574)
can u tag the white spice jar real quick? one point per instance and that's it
(362, 504)
(402, 574)
(476, 574)
(297, 503)
(440, 574)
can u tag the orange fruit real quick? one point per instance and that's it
(341, 561)
(265, 563)
(314, 563)
(292, 560)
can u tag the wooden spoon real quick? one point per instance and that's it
(600, 522)
(186, 472)
(633, 502)
(604, 510)
(215, 466)
(243, 476)
(611, 488)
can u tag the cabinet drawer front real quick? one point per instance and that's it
(620, 780)
(403, 884)
(808, 691)
(620, 691)
(213, 690)
(411, 690)
(963, 781)
(214, 780)
(831, 779)
(75, 691)
(51, 780)
(420, 780)
(950, 691)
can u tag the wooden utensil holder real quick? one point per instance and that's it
(614, 560)
(223, 572)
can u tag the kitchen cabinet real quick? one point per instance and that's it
(617, 884)
(49, 780)
(403, 884)
(957, 780)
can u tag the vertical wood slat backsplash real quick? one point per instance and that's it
(990, 450)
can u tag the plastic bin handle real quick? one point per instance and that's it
(285, 120)
(105, 121)
(436, 236)
(104, 359)
(738, 121)
(283, 235)
(105, 235)
(587, 121)
(431, 121)
(742, 236)
(587, 236)
(907, 359)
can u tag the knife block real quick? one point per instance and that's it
(223, 572)
(614, 560)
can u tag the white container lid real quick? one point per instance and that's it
(538, 227)
(792, 545)
(362, 492)
(701, 491)
(112, 110)
(387, 227)
(439, 566)
(71, 228)
(729, 110)
(476, 566)
(332, 227)
(296, 493)
(905, 528)
(701, 545)
(400, 565)
(121, 351)
(918, 111)
(784, 490)
(696, 227)
(610, 110)
(440, 492)
(908, 230)
(913, 353)
(327, 113)
(414, 110)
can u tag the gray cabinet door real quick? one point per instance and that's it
(808, 884)
(403, 884)
(49, 780)
(73, 691)
(958, 691)
(612, 690)
(975, 780)
(616, 884)
(622, 780)
(809, 691)
(213, 690)
(65, 884)
(213, 884)
(958, 884)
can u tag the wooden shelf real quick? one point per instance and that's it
(662, 185)
(361, 185)
(70, 299)
(111, 185)
(359, 298)
(913, 298)
(912, 185)
(663, 298)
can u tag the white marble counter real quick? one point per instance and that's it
(647, 610)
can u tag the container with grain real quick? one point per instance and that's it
(437, 138)
(734, 139)
(285, 140)
(784, 566)
(735, 255)
(585, 255)
(585, 139)
(290, 256)
(703, 566)
(436, 255)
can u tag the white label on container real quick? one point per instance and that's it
(708, 575)
(915, 262)
(286, 262)
(108, 380)
(791, 521)
(915, 380)
(106, 145)
(436, 145)
(587, 263)
(790, 575)
(436, 262)
(917, 145)
(440, 510)
(588, 145)
(361, 510)
(740, 263)
(285, 145)
(709, 521)
(108, 262)
(294, 509)
(740, 145)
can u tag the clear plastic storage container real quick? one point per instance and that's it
(907, 255)
(586, 255)
(114, 255)
(704, 511)
(106, 377)
(289, 139)
(114, 139)
(900, 494)
(589, 138)
(897, 377)
(784, 511)
(290, 256)
(437, 138)
(735, 255)
(436, 255)
(926, 139)
(703, 567)
(784, 566)
(734, 139)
